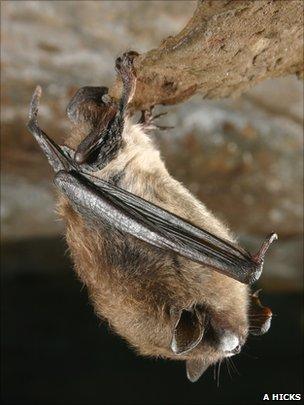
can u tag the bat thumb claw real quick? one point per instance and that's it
(34, 106)
(259, 256)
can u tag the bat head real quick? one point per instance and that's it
(203, 337)
(200, 334)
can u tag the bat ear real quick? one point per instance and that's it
(88, 104)
(188, 329)
(195, 369)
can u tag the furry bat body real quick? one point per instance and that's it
(167, 275)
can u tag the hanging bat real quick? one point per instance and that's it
(161, 269)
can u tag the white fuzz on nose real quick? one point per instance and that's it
(229, 342)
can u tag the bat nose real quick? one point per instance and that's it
(237, 349)
(230, 343)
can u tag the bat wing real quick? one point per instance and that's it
(99, 201)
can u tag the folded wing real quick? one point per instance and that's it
(99, 201)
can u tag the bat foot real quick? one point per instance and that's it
(259, 316)
(125, 68)
(124, 64)
(147, 120)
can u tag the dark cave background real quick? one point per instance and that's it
(55, 350)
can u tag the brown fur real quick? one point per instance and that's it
(132, 285)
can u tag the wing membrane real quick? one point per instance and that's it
(98, 201)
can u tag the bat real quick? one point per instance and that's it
(160, 269)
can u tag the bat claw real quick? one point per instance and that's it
(54, 153)
(259, 256)
(124, 63)
(125, 68)
(260, 316)
(147, 120)
(34, 105)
